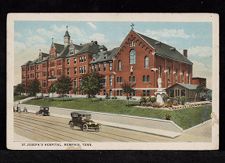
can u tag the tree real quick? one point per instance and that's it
(200, 88)
(34, 87)
(127, 88)
(52, 88)
(19, 88)
(63, 85)
(91, 84)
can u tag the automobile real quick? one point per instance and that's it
(83, 121)
(19, 110)
(44, 110)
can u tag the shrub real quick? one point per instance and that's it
(156, 104)
(165, 97)
(175, 102)
(169, 103)
(182, 100)
(100, 99)
(153, 99)
(149, 103)
(167, 117)
(143, 101)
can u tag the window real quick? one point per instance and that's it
(110, 66)
(68, 71)
(75, 82)
(119, 65)
(68, 61)
(132, 44)
(119, 79)
(132, 57)
(182, 76)
(44, 83)
(188, 75)
(110, 92)
(148, 78)
(146, 62)
(59, 62)
(75, 70)
(52, 64)
(44, 73)
(71, 50)
(85, 58)
(117, 92)
(144, 93)
(37, 67)
(58, 72)
(176, 76)
(132, 79)
(75, 60)
(104, 92)
(84, 69)
(110, 80)
(104, 66)
(143, 78)
(99, 67)
(160, 71)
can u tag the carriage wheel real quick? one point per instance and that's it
(85, 127)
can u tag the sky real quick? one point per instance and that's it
(196, 37)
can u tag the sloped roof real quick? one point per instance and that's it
(108, 54)
(187, 86)
(91, 47)
(67, 34)
(59, 47)
(165, 51)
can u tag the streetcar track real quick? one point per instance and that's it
(66, 131)
(102, 132)
(31, 131)
(43, 127)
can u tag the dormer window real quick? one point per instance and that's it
(71, 51)
(132, 44)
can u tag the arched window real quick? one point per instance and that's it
(146, 62)
(148, 78)
(132, 57)
(143, 78)
(119, 65)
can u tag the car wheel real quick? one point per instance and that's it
(71, 125)
(85, 127)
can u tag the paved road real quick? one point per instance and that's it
(49, 128)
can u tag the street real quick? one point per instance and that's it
(56, 129)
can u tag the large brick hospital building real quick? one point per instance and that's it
(139, 60)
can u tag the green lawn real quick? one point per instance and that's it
(185, 118)
(19, 97)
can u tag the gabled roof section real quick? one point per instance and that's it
(59, 47)
(164, 50)
(104, 56)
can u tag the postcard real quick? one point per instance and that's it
(112, 81)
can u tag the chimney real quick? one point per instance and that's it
(185, 52)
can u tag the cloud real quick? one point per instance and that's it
(168, 33)
(202, 70)
(92, 25)
(98, 37)
(201, 51)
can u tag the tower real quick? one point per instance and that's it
(66, 37)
